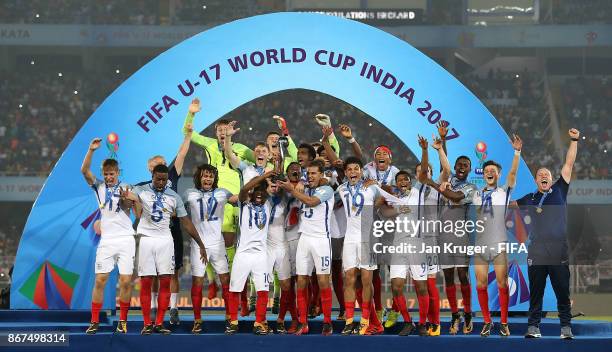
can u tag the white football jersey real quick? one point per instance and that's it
(315, 221)
(250, 171)
(206, 209)
(387, 177)
(429, 203)
(292, 220)
(457, 212)
(409, 211)
(356, 201)
(157, 210)
(254, 222)
(114, 222)
(276, 230)
(491, 206)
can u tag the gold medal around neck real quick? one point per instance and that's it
(354, 208)
(261, 226)
(539, 210)
(102, 205)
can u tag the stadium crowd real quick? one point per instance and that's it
(38, 120)
(35, 120)
(588, 103)
(138, 12)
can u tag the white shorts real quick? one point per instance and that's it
(353, 257)
(417, 272)
(313, 252)
(155, 256)
(493, 250)
(336, 244)
(216, 255)
(278, 260)
(292, 252)
(246, 264)
(118, 251)
(420, 266)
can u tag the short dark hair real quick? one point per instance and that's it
(463, 157)
(318, 164)
(110, 164)
(322, 149)
(160, 168)
(403, 172)
(353, 160)
(271, 133)
(221, 122)
(292, 163)
(312, 153)
(197, 175)
(261, 186)
(418, 164)
(491, 162)
(262, 144)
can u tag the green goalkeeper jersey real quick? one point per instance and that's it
(229, 178)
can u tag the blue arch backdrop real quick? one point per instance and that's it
(406, 91)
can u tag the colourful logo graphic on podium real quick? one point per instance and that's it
(518, 289)
(50, 287)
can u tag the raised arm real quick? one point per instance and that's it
(182, 153)
(442, 132)
(445, 167)
(325, 121)
(243, 196)
(196, 138)
(227, 145)
(347, 133)
(333, 141)
(517, 144)
(291, 148)
(422, 176)
(570, 157)
(329, 152)
(86, 166)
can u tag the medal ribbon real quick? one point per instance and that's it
(260, 216)
(354, 195)
(385, 175)
(487, 201)
(158, 196)
(543, 198)
(109, 194)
